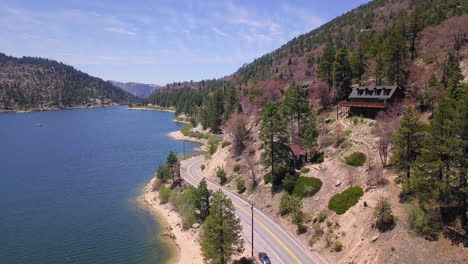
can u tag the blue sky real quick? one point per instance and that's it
(158, 41)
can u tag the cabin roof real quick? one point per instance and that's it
(373, 92)
(297, 150)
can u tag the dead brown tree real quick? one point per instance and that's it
(237, 128)
(252, 162)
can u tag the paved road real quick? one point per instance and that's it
(268, 236)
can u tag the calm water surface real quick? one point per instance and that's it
(68, 187)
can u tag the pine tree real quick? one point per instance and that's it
(230, 101)
(415, 27)
(171, 159)
(442, 169)
(408, 142)
(325, 67)
(203, 202)
(342, 73)
(274, 136)
(221, 237)
(394, 53)
(357, 63)
(295, 107)
(310, 136)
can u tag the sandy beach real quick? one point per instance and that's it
(177, 135)
(186, 242)
(152, 109)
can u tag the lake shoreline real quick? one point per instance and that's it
(50, 109)
(152, 109)
(183, 244)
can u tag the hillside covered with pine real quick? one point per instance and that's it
(387, 189)
(29, 83)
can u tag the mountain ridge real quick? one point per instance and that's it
(140, 90)
(37, 84)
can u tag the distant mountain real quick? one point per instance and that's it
(35, 84)
(140, 90)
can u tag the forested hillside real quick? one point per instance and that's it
(39, 84)
(402, 42)
(421, 141)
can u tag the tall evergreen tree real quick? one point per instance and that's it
(203, 202)
(274, 136)
(357, 63)
(342, 73)
(408, 143)
(295, 107)
(221, 237)
(394, 53)
(325, 67)
(414, 28)
(310, 135)
(442, 169)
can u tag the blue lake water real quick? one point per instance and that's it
(68, 188)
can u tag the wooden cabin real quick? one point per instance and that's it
(299, 155)
(367, 101)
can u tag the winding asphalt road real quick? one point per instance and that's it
(268, 236)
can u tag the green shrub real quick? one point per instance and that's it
(240, 184)
(305, 170)
(355, 119)
(212, 149)
(225, 144)
(318, 157)
(185, 202)
(244, 260)
(202, 167)
(317, 233)
(267, 178)
(347, 133)
(384, 219)
(307, 186)
(236, 168)
(289, 204)
(288, 183)
(341, 202)
(221, 174)
(163, 173)
(164, 194)
(424, 224)
(280, 173)
(322, 216)
(337, 246)
(356, 159)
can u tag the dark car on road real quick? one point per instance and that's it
(264, 259)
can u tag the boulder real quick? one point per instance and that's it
(196, 225)
(338, 183)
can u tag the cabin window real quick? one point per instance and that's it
(387, 91)
(378, 91)
(359, 91)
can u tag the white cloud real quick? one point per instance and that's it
(120, 31)
(219, 31)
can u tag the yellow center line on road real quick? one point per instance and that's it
(255, 218)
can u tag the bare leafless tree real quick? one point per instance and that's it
(252, 162)
(339, 135)
(175, 173)
(376, 177)
(237, 128)
(387, 124)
